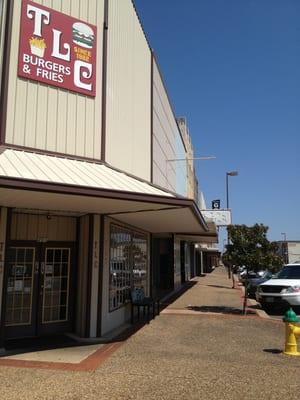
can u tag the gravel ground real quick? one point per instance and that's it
(201, 356)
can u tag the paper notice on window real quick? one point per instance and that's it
(18, 286)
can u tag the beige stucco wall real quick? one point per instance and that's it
(128, 125)
(49, 118)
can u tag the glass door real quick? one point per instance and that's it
(56, 284)
(38, 290)
(56, 304)
(20, 310)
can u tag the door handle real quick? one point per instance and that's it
(42, 267)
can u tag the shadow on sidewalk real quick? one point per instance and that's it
(29, 345)
(219, 310)
(166, 301)
(254, 307)
(273, 351)
(220, 287)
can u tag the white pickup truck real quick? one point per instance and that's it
(282, 291)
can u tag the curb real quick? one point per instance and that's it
(261, 313)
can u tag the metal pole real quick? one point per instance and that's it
(231, 173)
(285, 248)
(227, 206)
(227, 195)
(201, 265)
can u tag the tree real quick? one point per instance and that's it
(251, 248)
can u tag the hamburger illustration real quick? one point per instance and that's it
(83, 35)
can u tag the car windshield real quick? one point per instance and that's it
(267, 274)
(289, 272)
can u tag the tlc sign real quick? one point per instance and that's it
(57, 50)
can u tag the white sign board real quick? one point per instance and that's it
(219, 217)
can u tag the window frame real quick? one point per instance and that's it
(121, 230)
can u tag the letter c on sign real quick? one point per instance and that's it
(85, 70)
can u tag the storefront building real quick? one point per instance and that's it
(91, 206)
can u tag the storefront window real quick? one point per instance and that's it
(128, 264)
(139, 260)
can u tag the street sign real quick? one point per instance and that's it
(215, 204)
(219, 217)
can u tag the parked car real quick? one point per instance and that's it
(245, 275)
(282, 291)
(253, 283)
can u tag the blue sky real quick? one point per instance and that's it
(232, 68)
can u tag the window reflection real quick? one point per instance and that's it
(20, 283)
(128, 264)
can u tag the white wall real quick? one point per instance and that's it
(164, 135)
(167, 141)
(128, 124)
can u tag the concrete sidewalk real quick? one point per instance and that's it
(200, 355)
(210, 293)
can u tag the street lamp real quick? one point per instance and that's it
(285, 248)
(231, 173)
(284, 236)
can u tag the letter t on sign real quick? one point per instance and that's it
(37, 14)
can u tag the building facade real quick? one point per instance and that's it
(91, 204)
(289, 250)
(192, 183)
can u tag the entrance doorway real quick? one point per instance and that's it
(39, 291)
(163, 266)
(182, 261)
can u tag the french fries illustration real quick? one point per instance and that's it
(37, 46)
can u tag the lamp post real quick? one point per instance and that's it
(285, 248)
(231, 173)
